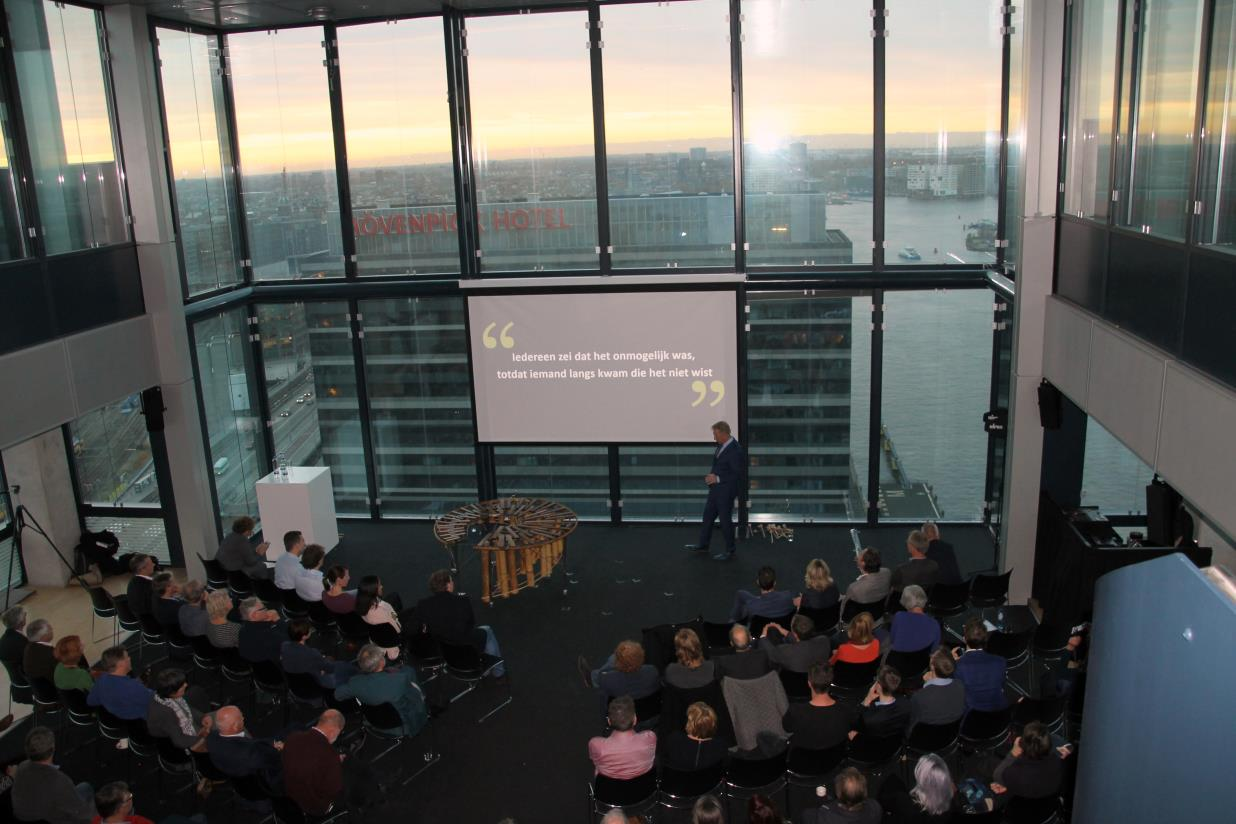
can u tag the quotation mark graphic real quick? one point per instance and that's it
(702, 389)
(506, 340)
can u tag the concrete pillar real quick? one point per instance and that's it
(41, 468)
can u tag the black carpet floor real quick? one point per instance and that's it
(529, 761)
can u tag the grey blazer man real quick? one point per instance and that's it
(921, 571)
(798, 656)
(869, 587)
(940, 701)
(41, 792)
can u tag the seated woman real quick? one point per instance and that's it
(821, 591)
(371, 607)
(931, 800)
(1033, 768)
(309, 582)
(337, 597)
(913, 630)
(623, 673)
(71, 672)
(221, 632)
(690, 670)
(862, 647)
(696, 747)
(171, 716)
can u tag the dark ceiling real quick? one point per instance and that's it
(239, 14)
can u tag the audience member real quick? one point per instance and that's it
(287, 567)
(167, 600)
(708, 810)
(942, 553)
(192, 616)
(14, 641)
(337, 598)
(377, 685)
(690, 670)
(931, 800)
(140, 591)
(261, 634)
(42, 792)
(300, 658)
(40, 656)
(872, 584)
(942, 700)
(821, 723)
(170, 716)
(309, 581)
(371, 607)
(624, 753)
(919, 569)
(761, 810)
(70, 674)
(980, 671)
(821, 590)
(623, 673)
(800, 648)
(238, 754)
(221, 632)
(1033, 768)
(447, 616)
(882, 714)
(114, 802)
(312, 769)
(913, 630)
(237, 553)
(769, 603)
(696, 747)
(850, 804)
(862, 647)
(614, 816)
(747, 661)
(123, 696)
(757, 706)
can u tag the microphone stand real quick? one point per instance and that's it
(22, 520)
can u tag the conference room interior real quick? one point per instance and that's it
(959, 261)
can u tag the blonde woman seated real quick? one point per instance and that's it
(690, 670)
(221, 632)
(696, 747)
(821, 591)
(862, 647)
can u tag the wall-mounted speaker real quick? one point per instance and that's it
(153, 408)
(1050, 410)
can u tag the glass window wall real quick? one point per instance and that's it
(287, 153)
(577, 476)
(1113, 478)
(936, 387)
(942, 131)
(66, 107)
(311, 394)
(399, 147)
(808, 406)
(226, 377)
(1169, 35)
(112, 456)
(201, 158)
(669, 133)
(420, 404)
(533, 146)
(1015, 143)
(807, 145)
(1218, 218)
(665, 483)
(1091, 92)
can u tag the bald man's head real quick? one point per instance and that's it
(230, 720)
(331, 724)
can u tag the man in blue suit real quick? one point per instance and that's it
(729, 468)
(980, 671)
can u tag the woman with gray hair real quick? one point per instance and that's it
(931, 800)
(913, 630)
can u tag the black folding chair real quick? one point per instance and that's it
(716, 637)
(271, 595)
(681, 788)
(180, 648)
(855, 608)
(948, 600)
(46, 699)
(239, 585)
(631, 795)
(870, 753)
(353, 629)
(268, 680)
(20, 691)
(466, 664)
(427, 653)
(758, 622)
(287, 812)
(795, 685)
(983, 731)
(128, 620)
(176, 762)
(293, 605)
(807, 767)
(104, 607)
(383, 721)
(987, 591)
(648, 710)
(216, 575)
(849, 678)
(322, 619)
(79, 713)
(825, 620)
(910, 665)
(747, 776)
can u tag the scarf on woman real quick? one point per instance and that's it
(183, 715)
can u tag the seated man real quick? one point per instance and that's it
(237, 754)
(769, 603)
(980, 671)
(261, 634)
(288, 568)
(849, 804)
(114, 802)
(1033, 768)
(623, 673)
(377, 685)
(140, 591)
(116, 691)
(872, 584)
(300, 658)
(309, 582)
(41, 792)
(942, 700)
(312, 769)
(167, 601)
(238, 554)
(821, 723)
(919, 569)
(913, 629)
(800, 647)
(747, 661)
(14, 641)
(447, 616)
(192, 614)
(883, 714)
(624, 753)
(39, 660)
(942, 553)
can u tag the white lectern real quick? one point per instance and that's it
(305, 501)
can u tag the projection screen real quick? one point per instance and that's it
(612, 367)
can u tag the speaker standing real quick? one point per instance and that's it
(729, 469)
